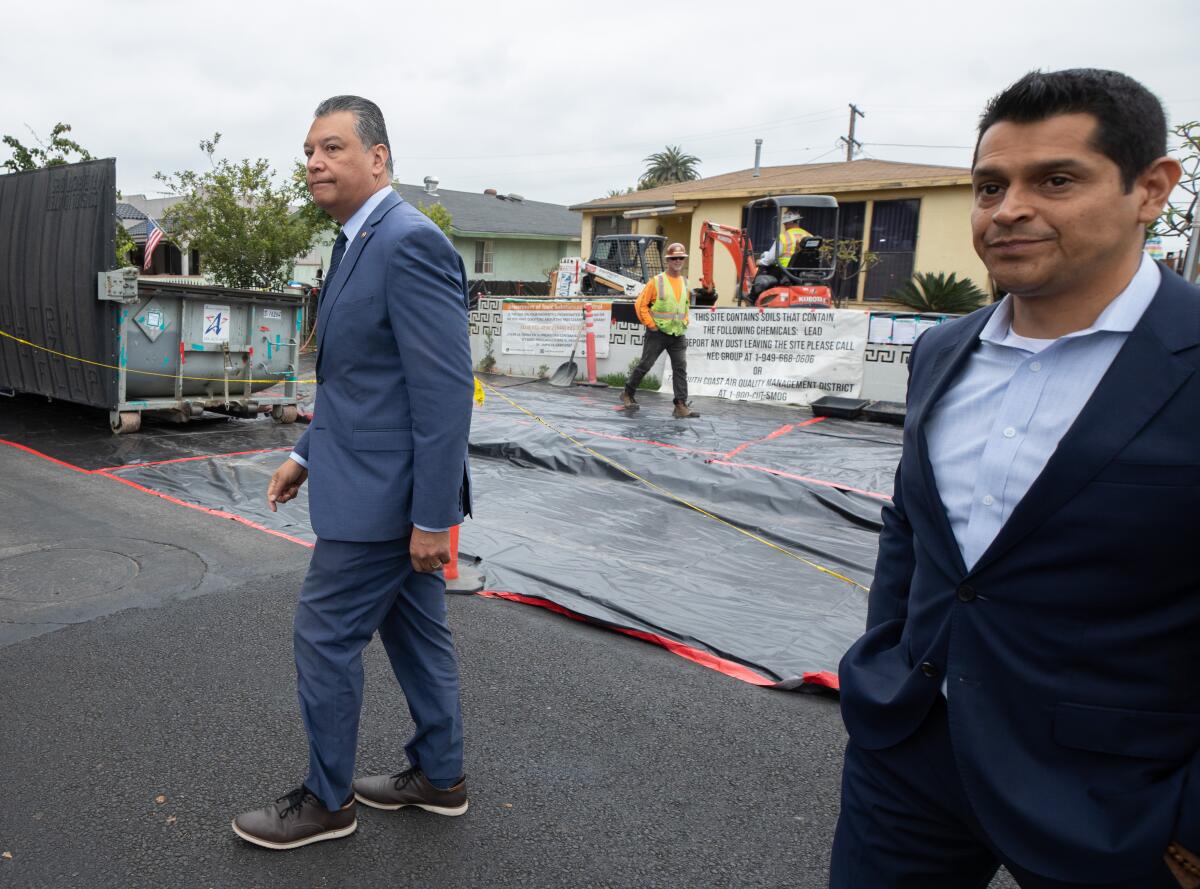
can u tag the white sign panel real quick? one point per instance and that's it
(544, 327)
(216, 324)
(568, 277)
(791, 356)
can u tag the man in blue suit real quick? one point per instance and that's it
(386, 458)
(1027, 692)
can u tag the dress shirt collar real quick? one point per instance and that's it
(355, 222)
(1121, 315)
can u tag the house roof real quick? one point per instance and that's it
(856, 175)
(138, 230)
(479, 213)
(128, 211)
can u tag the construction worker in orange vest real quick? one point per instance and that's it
(663, 307)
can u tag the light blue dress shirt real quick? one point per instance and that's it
(350, 230)
(992, 432)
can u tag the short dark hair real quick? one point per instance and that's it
(368, 121)
(1131, 130)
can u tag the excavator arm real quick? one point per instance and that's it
(737, 242)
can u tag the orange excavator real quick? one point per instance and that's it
(800, 280)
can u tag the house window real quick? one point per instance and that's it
(611, 225)
(894, 240)
(485, 254)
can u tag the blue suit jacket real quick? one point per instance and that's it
(387, 447)
(1072, 648)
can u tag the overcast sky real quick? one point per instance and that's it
(558, 101)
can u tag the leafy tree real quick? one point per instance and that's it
(240, 220)
(619, 192)
(669, 165)
(50, 153)
(928, 292)
(849, 256)
(440, 215)
(54, 152)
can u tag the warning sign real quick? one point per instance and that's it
(543, 327)
(790, 356)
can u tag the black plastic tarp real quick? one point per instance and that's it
(632, 521)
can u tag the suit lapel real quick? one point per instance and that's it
(1143, 376)
(346, 267)
(946, 365)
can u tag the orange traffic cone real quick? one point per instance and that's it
(465, 580)
(450, 569)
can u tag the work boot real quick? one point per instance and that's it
(295, 819)
(683, 412)
(410, 788)
(628, 400)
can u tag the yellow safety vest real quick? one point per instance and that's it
(670, 312)
(789, 240)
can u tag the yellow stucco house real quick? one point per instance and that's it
(916, 217)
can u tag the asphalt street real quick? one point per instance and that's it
(147, 694)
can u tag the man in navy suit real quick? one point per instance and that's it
(386, 458)
(1027, 692)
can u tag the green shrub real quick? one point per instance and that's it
(927, 292)
(617, 381)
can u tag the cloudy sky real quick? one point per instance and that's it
(559, 101)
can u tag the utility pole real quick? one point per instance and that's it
(851, 143)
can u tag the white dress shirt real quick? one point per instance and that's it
(992, 432)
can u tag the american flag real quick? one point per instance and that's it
(154, 234)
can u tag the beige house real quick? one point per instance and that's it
(916, 217)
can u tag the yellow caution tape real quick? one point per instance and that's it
(144, 373)
(661, 490)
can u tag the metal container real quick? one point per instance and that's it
(74, 329)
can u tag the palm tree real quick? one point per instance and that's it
(670, 165)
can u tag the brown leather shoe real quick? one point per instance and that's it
(410, 788)
(628, 400)
(295, 819)
(683, 412)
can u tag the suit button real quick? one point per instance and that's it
(966, 593)
(320, 381)
(929, 669)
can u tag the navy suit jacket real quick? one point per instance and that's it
(387, 446)
(1072, 648)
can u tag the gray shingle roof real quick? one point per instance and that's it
(477, 212)
(138, 232)
(128, 211)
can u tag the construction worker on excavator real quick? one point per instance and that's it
(663, 307)
(780, 253)
(789, 239)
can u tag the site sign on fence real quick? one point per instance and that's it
(545, 327)
(790, 356)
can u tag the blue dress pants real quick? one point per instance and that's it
(906, 823)
(351, 591)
